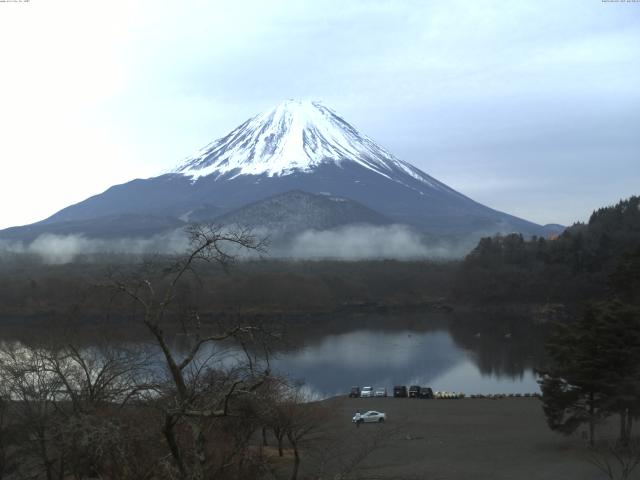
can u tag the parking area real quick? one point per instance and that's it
(415, 391)
(490, 438)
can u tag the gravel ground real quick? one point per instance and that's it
(453, 439)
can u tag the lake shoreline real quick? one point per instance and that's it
(540, 312)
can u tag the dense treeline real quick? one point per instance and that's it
(581, 263)
(593, 360)
(28, 287)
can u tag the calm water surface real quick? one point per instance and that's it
(443, 354)
(330, 365)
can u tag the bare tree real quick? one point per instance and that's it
(62, 401)
(198, 389)
(6, 431)
(289, 414)
(272, 411)
(85, 411)
(26, 375)
(305, 420)
(618, 460)
(100, 374)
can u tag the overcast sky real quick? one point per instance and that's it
(532, 108)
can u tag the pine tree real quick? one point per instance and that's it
(572, 385)
(625, 279)
(594, 370)
(619, 328)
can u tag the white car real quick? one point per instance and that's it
(380, 392)
(366, 392)
(369, 417)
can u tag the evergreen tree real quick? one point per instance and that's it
(594, 370)
(570, 267)
(625, 279)
(572, 387)
(619, 327)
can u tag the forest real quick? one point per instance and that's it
(584, 262)
(587, 261)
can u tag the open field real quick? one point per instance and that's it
(460, 439)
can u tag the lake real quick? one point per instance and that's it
(475, 356)
(330, 364)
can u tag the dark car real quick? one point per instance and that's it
(414, 391)
(400, 391)
(355, 392)
(426, 392)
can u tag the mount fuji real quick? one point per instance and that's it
(300, 149)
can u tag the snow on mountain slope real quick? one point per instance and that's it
(296, 136)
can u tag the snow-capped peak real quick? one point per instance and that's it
(295, 136)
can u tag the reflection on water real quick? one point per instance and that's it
(330, 365)
(453, 353)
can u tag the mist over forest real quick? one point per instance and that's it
(348, 243)
(387, 267)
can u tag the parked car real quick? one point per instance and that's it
(450, 395)
(426, 392)
(414, 391)
(380, 392)
(369, 417)
(400, 391)
(366, 392)
(355, 392)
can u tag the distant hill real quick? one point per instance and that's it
(296, 211)
(283, 214)
(554, 228)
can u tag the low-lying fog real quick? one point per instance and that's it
(352, 242)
